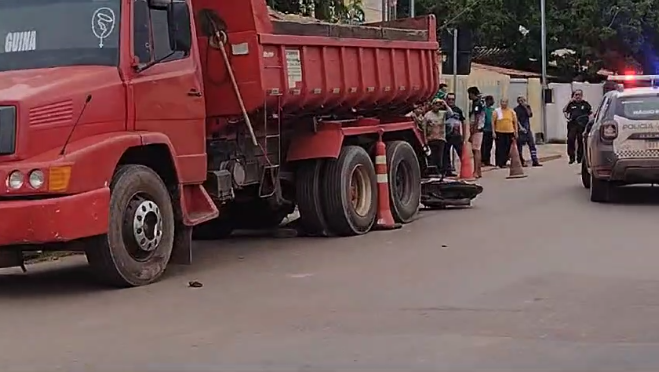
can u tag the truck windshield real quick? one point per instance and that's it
(639, 107)
(55, 33)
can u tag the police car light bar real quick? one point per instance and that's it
(651, 78)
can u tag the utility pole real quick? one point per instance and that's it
(385, 10)
(412, 10)
(455, 61)
(543, 33)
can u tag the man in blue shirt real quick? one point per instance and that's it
(488, 130)
(524, 115)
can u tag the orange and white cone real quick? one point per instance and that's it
(385, 220)
(516, 169)
(466, 163)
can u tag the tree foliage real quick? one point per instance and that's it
(607, 34)
(603, 33)
(326, 10)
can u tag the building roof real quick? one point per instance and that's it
(506, 71)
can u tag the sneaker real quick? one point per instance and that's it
(536, 164)
(571, 160)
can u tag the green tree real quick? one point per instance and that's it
(603, 33)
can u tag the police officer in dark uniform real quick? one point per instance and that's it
(577, 112)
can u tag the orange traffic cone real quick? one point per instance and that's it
(385, 220)
(516, 169)
(466, 163)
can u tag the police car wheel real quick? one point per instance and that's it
(585, 176)
(600, 190)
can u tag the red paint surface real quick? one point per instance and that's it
(153, 107)
(55, 220)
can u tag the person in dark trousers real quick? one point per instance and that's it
(577, 112)
(488, 133)
(454, 125)
(435, 130)
(505, 131)
(524, 115)
(476, 125)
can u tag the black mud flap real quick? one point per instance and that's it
(437, 193)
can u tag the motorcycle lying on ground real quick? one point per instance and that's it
(437, 192)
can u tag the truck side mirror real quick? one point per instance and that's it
(178, 21)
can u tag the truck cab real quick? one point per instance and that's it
(92, 89)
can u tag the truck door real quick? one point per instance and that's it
(167, 97)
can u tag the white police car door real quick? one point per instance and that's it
(637, 119)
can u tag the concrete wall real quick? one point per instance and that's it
(497, 85)
(372, 10)
(490, 83)
(556, 123)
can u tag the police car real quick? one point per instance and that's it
(622, 140)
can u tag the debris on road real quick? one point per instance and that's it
(195, 284)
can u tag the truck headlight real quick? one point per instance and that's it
(15, 180)
(36, 179)
(7, 130)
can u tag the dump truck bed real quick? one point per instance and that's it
(314, 67)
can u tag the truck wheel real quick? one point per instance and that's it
(309, 198)
(404, 180)
(585, 176)
(350, 192)
(140, 235)
(600, 190)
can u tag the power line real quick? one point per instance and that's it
(463, 11)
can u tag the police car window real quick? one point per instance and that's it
(600, 109)
(606, 110)
(639, 107)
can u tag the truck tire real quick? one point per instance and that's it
(600, 190)
(140, 237)
(585, 176)
(350, 192)
(308, 195)
(404, 180)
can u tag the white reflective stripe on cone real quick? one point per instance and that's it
(383, 178)
(381, 159)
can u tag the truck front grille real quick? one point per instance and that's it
(7, 130)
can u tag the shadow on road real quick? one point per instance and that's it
(637, 195)
(71, 276)
(54, 280)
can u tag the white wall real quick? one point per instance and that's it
(372, 10)
(556, 123)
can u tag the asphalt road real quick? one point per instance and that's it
(533, 277)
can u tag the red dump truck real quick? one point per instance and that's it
(128, 125)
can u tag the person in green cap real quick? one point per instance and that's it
(442, 92)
